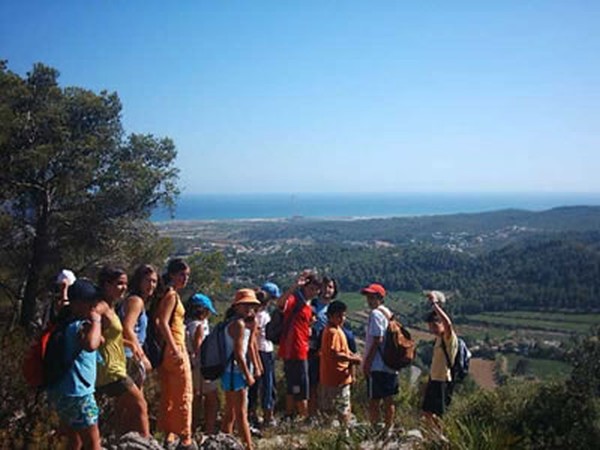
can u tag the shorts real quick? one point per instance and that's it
(381, 385)
(233, 381)
(116, 388)
(335, 399)
(313, 369)
(75, 412)
(136, 371)
(201, 385)
(437, 397)
(296, 377)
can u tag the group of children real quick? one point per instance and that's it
(108, 323)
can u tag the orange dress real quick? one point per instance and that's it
(176, 391)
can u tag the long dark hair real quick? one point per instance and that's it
(108, 274)
(326, 280)
(135, 284)
(174, 266)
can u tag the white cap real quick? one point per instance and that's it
(66, 275)
(438, 296)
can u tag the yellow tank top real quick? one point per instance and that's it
(113, 366)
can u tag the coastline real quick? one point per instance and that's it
(264, 208)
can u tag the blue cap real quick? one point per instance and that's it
(83, 290)
(272, 289)
(203, 301)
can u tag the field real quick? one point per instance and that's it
(546, 321)
(544, 369)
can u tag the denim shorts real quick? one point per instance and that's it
(76, 412)
(233, 381)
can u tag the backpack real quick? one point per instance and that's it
(460, 368)
(398, 345)
(277, 326)
(213, 352)
(154, 345)
(46, 361)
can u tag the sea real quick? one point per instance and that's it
(216, 207)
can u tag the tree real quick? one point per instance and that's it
(73, 188)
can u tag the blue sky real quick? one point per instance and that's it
(344, 96)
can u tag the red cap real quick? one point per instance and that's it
(374, 288)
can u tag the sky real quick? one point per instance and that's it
(339, 96)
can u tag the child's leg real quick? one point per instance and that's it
(211, 406)
(240, 410)
(133, 410)
(74, 441)
(90, 437)
(228, 413)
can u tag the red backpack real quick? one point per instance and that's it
(33, 363)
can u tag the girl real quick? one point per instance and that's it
(73, 396)
(265, 384)
(237, 377)
(198, 309)
(175, 375)
(131, 409)
(135, 321)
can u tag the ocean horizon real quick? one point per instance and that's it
(353, 206)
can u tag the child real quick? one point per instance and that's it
(73, 395)
(335, 373)
(437, 393)
(237, 376)
(198, 309)
(265, 384)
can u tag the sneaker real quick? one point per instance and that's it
(270, 423)
(255, 432)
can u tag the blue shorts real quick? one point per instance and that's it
(381, 385)
(233, 381)
(75, 412)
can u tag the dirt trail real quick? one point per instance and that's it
(482, 371)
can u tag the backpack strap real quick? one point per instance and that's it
(449, 364)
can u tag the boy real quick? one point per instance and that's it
(335, 372)
(72, 396)
(437, 393)
(382, 381)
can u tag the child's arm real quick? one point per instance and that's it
(237, 333)
(163, 316)
(91, 332)
(254, 355)
(281, 301)
(443, 316)
(198, 338)
(133, 307)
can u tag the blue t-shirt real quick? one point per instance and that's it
(320, 312)
(81, 378)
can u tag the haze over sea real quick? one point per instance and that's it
(350, 206)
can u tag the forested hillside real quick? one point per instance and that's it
(500, 260)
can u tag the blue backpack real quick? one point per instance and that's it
(459, 369)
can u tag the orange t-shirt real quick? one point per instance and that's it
(334, 372)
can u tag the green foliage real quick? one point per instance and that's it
(75, 191)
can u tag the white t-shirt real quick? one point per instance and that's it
(262, 319)
(190, 331)
(376, 327)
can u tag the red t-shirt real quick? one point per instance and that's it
(294, 342)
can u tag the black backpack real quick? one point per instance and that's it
(56, 361)
(213, 352)
(277, 326)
